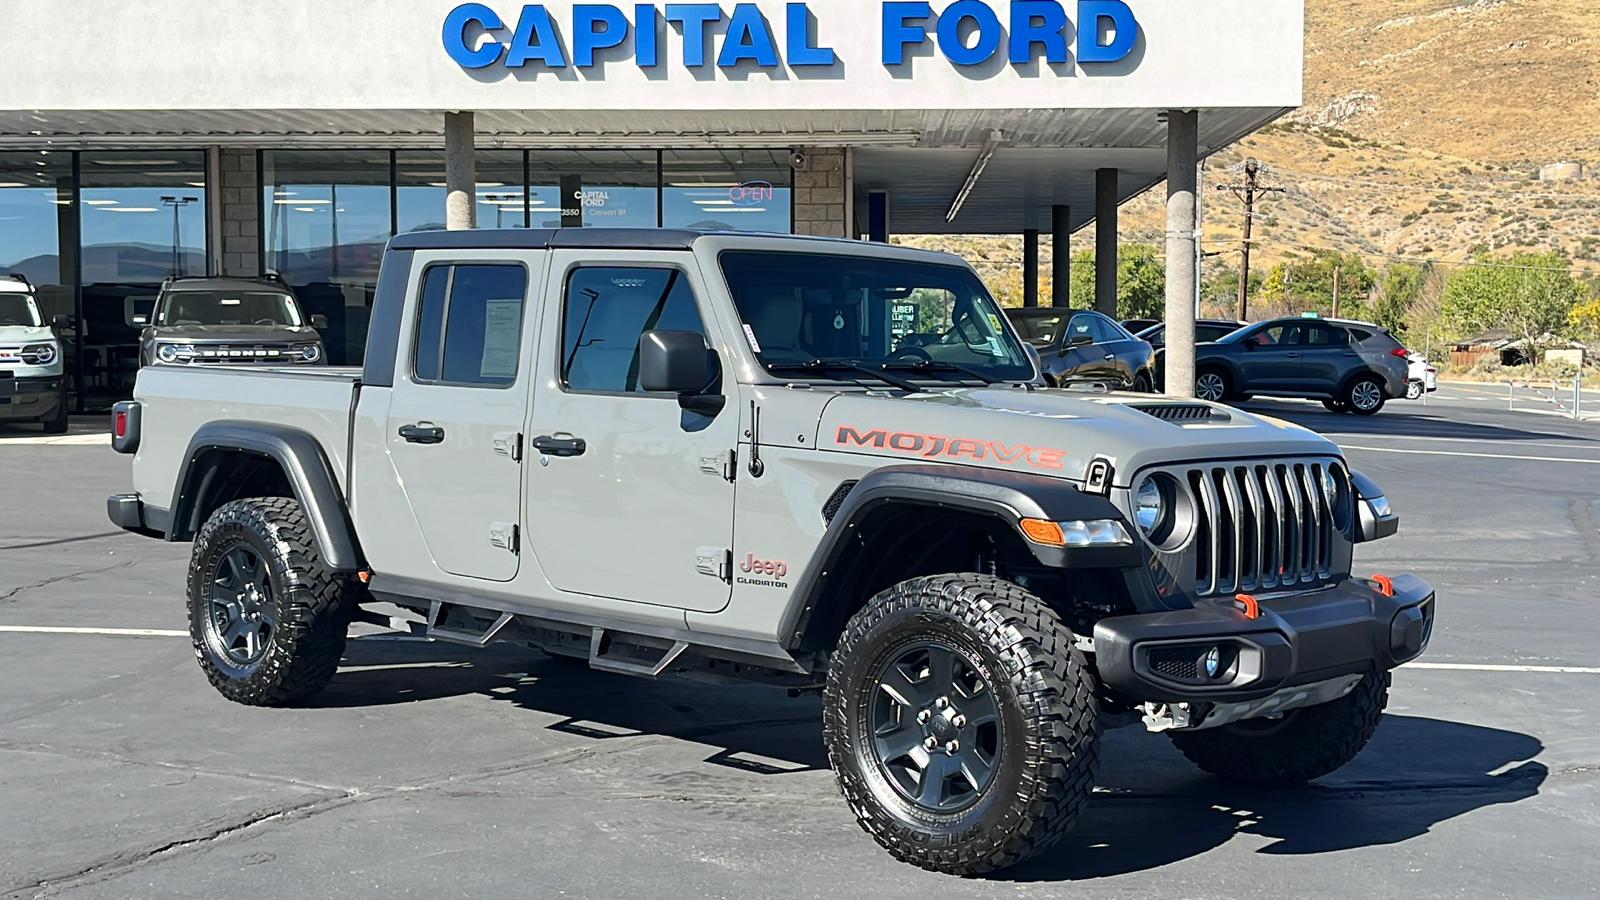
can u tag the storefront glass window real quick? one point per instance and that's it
(593, 188)
(742, 190)
(326, 216)
(37, 223)
(142, 218)
(420, 189)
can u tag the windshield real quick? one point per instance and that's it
(18, 309)
(229, 308)
(803, 308)
(1041, 329)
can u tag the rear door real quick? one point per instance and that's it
(459, 402)
(1326, 357)
(632, 495)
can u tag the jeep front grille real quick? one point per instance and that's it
(1264, 526)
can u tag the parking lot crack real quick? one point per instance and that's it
(206, 834)
(11, 595)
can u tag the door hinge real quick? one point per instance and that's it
(508, 443)
(506, 536)
(716, 562)
(724, 466)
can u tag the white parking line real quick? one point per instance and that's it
(1552, 442)
(1487, 667)
(115, 632)
(70, 440)
(1562, 459)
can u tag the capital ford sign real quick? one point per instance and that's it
(964, 32)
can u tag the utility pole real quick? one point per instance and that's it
(1336, 271)
(1247, 194)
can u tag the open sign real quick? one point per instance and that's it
(751, 193)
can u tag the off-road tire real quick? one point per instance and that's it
(313, 605)
(1363, 386)
(1047, 746)
(56, 423)
(1336, 406)
(1306, 743)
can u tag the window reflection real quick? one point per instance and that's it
(593, 188)
(737, 190)
(420, 189)
(142, 219)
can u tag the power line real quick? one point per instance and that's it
(1249, 189)
(1391, 185)
(1571, 270)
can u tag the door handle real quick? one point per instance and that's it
(1291, 356)
(422, 433)
(560, 445)
(1111, 356)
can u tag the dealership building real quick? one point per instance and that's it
(141, 139)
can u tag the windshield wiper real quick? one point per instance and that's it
(820, 365)
(940, 366)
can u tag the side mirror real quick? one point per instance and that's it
(1081, 340)
(318, 321)
(61, 322)
(678, 362)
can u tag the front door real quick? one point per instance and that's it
(455, 421)
(1271, 358)
(630, 496)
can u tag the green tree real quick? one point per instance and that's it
(1531, 294)
(1141, 282)
(1397, 292)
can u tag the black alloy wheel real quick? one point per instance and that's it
(267, 618)
(961, 723)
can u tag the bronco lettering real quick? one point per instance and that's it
(932, 446)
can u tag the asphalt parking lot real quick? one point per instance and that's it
(434, 771)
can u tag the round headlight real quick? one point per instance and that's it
(1149, 506)
(39, 354)
(1330, 486)
(167, 353)
(311, 352)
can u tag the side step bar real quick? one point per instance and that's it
(439, 613)
(600, 657)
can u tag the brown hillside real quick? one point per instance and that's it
(1423, 131)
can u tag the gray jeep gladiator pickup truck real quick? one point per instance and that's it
(819, 464)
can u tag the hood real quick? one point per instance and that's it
(1052, 432)
(25, 334)
(245, 334)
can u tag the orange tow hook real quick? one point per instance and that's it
(1385, 585)
(1248, 605)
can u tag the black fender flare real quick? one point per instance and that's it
(1007, 497)
(304, 464)
(1358, 373)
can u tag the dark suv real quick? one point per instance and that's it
(229, 321)
(1349, 366)
(1079, 345)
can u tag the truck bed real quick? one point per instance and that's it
(176, 400)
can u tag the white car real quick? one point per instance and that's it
(1421, 378)
(33, 384)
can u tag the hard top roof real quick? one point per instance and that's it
(590, 239)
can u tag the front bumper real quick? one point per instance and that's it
(1216, 653)
(31, 398)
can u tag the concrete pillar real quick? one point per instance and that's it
(1030, 267)
(878, 216)
(1182, 158)
(1061, 256)
(1105, 241)
(822, 189)
(461, 172)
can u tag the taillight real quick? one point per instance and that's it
(1400, 352)
(121, 424)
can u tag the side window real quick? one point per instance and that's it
(1103, 330)
(607, 309)
(1326, 336)
(469, 324)
(1081, 326)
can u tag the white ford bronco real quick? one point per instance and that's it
(33, 383)
(819, 464)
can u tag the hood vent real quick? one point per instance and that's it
(1181, 413)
